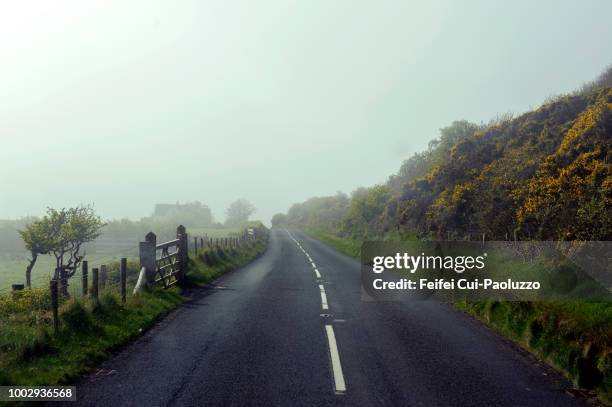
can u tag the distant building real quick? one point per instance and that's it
(191, 214)
(166, 210)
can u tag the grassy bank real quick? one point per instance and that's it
(349, 247)
(573, 337)
(31, 354)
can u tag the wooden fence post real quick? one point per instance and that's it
(123, 278)
(103, 276)
(16, 289)
(181, 234)
(85, 269)
(54, 304)
(202, 243)
(95, 281)
(147, 256)
(195, 245)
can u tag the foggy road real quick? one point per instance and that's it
(291, 329)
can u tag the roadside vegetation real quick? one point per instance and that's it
(26, 256)
(31, 353)
(544, 175)
(350, 247)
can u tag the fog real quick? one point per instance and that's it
(127, 104)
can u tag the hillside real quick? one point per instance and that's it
(546, 174)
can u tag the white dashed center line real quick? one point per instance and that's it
(339, 382)
(323, 298)
(336, 366)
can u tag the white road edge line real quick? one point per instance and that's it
(339, 382)
(317, 273)
(323, 298)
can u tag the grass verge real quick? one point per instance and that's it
(573, 337)
(347, 246)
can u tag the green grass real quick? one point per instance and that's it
(573, 337)
(214, 232)
(349, 247)
(13, 266)
(352, 247)
(211, 264)
(12, 269)
(32, 354)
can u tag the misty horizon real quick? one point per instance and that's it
(124, 106)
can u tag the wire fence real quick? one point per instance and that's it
(43, 271)
(107, 267)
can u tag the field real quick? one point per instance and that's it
(213, 232)
(12, 268)
(13, 265)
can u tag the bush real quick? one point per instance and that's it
(5, 380)
(221, 253)
(209, 258)
(41, 344)
(76, 318)
(107, 307)
(25, 301)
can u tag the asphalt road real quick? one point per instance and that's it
(273, 333)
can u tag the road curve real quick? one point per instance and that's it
(291, 329)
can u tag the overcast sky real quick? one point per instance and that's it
(127, 103)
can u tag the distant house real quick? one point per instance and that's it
(167, 210)
(192, 214)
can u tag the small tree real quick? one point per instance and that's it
(238, 212)
(77, 226)
(39, 237)
(61, 233)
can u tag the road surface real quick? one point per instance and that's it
(291, 329)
